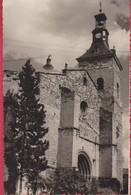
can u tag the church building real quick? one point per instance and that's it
(84, 110)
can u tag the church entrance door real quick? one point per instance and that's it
(84, 165)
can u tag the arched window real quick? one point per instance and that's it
(83, 107)
(85, 81)
(118, 90)
(100, 83)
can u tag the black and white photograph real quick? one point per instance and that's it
(66, 96)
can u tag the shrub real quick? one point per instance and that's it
(106, 191)
(94, 185)
(67, 181)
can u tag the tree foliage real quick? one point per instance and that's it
(9, 145)
(29, 129)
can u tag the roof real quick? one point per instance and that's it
(48, 67)
(104, 52)
(100, 17)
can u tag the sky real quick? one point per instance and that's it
(36, 28)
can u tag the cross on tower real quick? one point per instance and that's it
(100, 7)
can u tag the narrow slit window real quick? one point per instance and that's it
(85, 81)
(117, 133)
(118, 90)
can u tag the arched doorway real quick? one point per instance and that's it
(84, 165)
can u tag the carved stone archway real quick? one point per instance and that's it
(84, 165)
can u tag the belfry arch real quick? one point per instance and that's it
(84, 165)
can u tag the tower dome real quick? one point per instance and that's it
(48, 65)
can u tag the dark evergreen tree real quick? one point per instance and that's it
(29, 130)
(9, 145)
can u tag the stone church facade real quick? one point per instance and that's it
(84, 110)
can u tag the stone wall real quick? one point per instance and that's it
(77, 132)
(117, 131)
(105, 162)
(67, 108)
(90, 149)
(110, 116)
(50, 98)
(65, 147)
(62, 113)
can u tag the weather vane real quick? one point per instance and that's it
(49, 56)
(100, 7)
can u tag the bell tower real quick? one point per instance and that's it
(104, 67)
(100, 33)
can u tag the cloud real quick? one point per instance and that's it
(14, 63)
(62, 26)
(59, 21)
(74, 18)
(64, 18)
(115, 2)
(120, 2)
(123, 21)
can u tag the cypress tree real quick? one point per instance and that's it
(29, 129)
